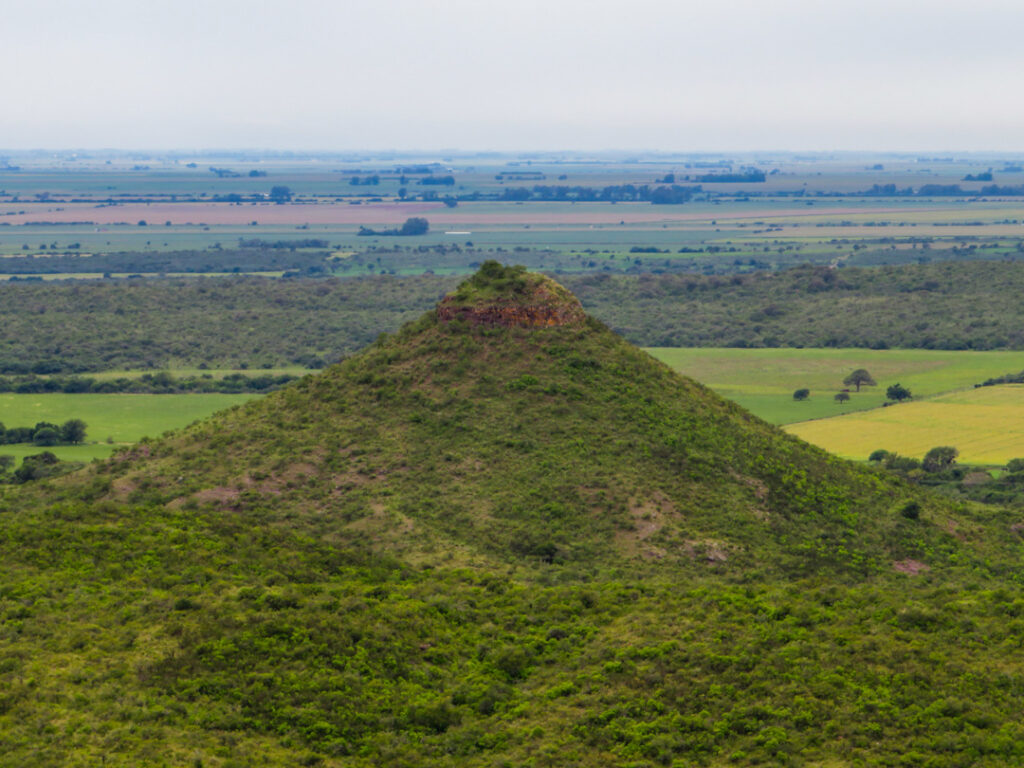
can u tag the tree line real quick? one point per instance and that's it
(161, 383)
(617, 193)
(71, 432)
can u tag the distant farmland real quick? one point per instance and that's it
(986, 425)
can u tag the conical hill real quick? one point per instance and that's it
(502, 536)
(507, 425)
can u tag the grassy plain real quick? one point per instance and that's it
(119, 418)
(986, 425)
(763, 380)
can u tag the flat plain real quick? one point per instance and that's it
(985, 425)
(113, 420)
(763, 380)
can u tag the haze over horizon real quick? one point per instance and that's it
(418, 74)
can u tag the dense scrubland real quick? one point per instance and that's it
(475, 544)
(72, 327)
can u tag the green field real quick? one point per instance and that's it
(120, 419)
(986, 425)
(763, 380)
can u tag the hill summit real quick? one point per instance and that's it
(506, 296)
(502, 536)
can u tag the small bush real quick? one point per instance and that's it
(911, 510)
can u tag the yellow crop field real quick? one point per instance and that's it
(986, 425)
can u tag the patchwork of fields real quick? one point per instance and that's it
(763, 380)
(986, 425)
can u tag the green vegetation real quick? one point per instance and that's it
(162, 382)
(71, 432)
(983, 423)
(221, 323)
(930, 306)
(112, 419)
(230, 322)
(493, 281)
(412, 227)
(897, 393)
(480, 544)
(859, 378)
(764, 380)
(269, 259)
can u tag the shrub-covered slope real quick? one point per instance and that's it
(489, 541)
(510, 438)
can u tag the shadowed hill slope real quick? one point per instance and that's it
(502, 536)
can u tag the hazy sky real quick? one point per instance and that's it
(513, 74)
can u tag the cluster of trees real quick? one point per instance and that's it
(280, 194)
(251, 256)
(943, 190)
(161, 383)
(754, 175)
(34, 467)
(939, 470)
(412, 227)
(673, 194)
(71, 432)
(984, 176)
(860, 377)
(290, 245)
(1009, 378)
(938, 459)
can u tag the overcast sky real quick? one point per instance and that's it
(513, 74)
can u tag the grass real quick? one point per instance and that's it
(763, 380)
(986, 425)
(118, 417)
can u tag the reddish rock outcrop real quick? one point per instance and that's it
(538, 311)
(511, 314)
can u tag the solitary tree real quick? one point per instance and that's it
(72, 431)
(898, 393)
(939, 458)
(842, 397)
(858, 377)
(415, 226)
(802, 394)
(280, 194)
